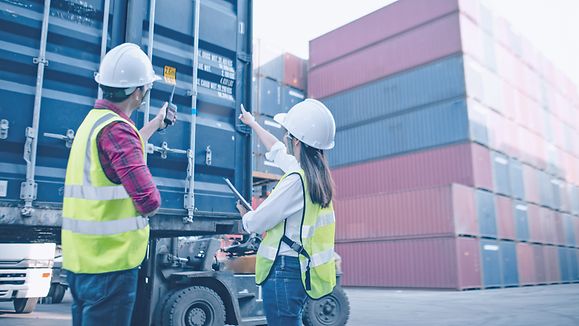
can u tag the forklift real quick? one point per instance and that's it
(185, 283)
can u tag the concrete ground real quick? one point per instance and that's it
(555, 305)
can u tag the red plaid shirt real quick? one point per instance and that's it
(121, 156)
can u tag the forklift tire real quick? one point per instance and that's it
(331, 310)
(25, 305)
(58, 293)
(55, 294)
(193, 306)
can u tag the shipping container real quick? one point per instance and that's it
(521, 221)
(437, 81)
(467, 164)
(436, 125)
(53, 85)
(517, 184)
(540, 264)
(441, 211)
(486, 213)
(439, 263)
(424, 43)
(526, 264)
(536, 232)
(375, 27)
(290, 96)
(267, 98)
(287, 69)
(509, 266)
(506, 227)
(501, 174)
(492, 275)
(552, 268)
(565, 264)
(531, 184)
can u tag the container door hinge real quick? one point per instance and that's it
(4, 126)
(208, 155)
(41, 61)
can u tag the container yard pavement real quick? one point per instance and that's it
(537, 305)
(554, 305)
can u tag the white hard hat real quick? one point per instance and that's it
(125, 66)
(311, 122)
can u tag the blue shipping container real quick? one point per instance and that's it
(510, 274)
(574, 199)
(517, 185)
(564, 264)
(290, 96)
(569, 228)
(501, 175)
(437, 125)
(521, 220)
(67, 92)
(268, 97)
(411, 89)
(574, 261)
(486, 213)
(545, 189)
(491, 263)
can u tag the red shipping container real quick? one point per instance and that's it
(526, 264)
(448, 211)
(441, 263)
(412, 48)
(552, 264)
(295, 71)
(467, 164)
(540, 265)
(376, 26)
(536, 233)
(505, 218)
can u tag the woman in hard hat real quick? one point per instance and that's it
(296, 257)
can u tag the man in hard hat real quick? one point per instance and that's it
(109, 193)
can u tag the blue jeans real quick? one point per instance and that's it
(283, 293)
(103, 299)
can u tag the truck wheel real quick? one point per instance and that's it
(332, 310)
(25, 305)
(58, 293)
(193, 306)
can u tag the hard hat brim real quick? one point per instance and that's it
(280, 118)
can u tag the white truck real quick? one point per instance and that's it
(25, 273)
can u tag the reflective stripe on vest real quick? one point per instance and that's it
(323, 220)
(95, 193)
(319, 259)
(104, 227)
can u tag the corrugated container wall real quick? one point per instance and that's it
(68, 91)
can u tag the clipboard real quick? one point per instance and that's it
(238, 195)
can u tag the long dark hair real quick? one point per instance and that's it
(318, 176)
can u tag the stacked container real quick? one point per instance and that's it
(279, 82)
(455, 148)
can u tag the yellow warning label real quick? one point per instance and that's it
(170, 75)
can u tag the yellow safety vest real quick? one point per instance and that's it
(102, 231)
(316, 252)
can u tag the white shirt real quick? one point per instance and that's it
(286, 202)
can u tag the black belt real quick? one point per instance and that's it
(301, 251)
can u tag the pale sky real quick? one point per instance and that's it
(287, 25)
